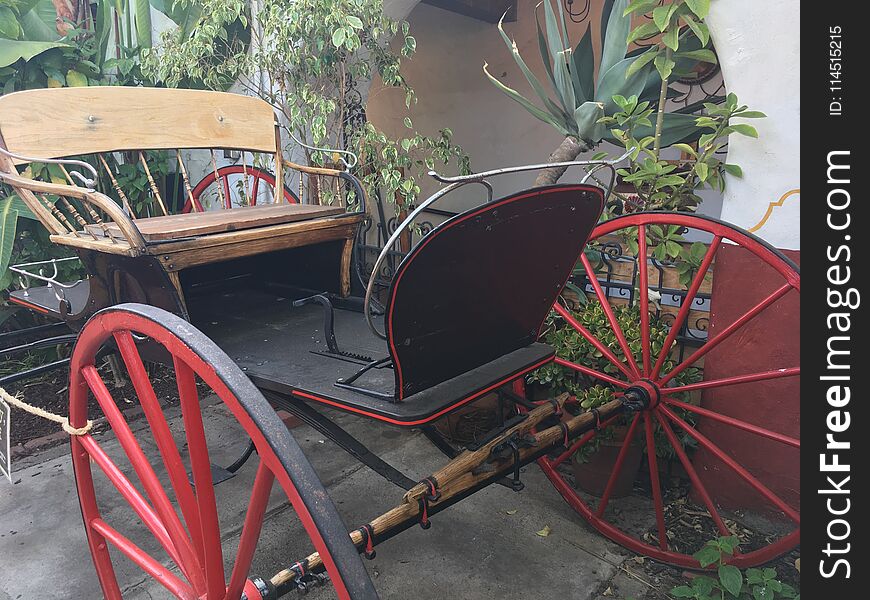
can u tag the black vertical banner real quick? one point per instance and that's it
(834, 425)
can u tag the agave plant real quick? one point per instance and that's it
(576, 100)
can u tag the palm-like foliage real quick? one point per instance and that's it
(574, 100)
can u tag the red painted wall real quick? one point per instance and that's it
(770, 341)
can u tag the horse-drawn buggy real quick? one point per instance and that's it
(261, 309)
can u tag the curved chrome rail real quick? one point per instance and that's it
(480, 179)
(88, 183)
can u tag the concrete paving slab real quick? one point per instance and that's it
(475, 550)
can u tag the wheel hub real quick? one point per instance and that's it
(643, 395)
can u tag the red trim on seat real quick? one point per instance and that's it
(33, 307)
(403, 266)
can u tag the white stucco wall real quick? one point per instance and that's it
(758, 44)
(446, 72)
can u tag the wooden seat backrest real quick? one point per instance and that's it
(60, 122)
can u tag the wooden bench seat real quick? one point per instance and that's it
(194, 224)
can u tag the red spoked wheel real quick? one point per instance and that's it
(237, 185)
(178, 538)
(711, 390)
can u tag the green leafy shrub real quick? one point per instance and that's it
(730, 582)
(591, 392)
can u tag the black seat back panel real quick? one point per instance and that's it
(480, 285)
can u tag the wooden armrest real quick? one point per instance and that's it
(28, 187)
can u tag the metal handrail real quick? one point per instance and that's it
(88, 183)
(480, 179)
(56, 286)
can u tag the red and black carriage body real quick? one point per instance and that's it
(462, 317)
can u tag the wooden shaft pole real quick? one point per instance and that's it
(459, 476)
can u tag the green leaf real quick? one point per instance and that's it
(11, 51)
(731, 579)
(640, 5)
(642, 31)
(701, 31)
(686, 148)
(703, 55)
(142, 13)
(762, 592)
(614, 44)
(530, 77)
(683, 591)
(640, 62)
(9, 27)
(338, 37)
(564, 84)
(531, 108)
(702, 170)
(662, 15)
(76, 79)
(744, 129)
(22, 209)
(707, 555)
(703, 584)
(734, 170)
(751, 114)
(664, 65)
(706, 139)
(556, 43)
(699, 7)
(671, 38)
(542, 47)
(354, 22)
(587, 116)
(617, 81)
(8, 226)
(583, 59)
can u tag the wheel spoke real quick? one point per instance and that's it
(189, 563)
(608, 311)
(162, 435)
(201, 466)
(580, 442)
(163, 575)
(654, 481)
(605, 351)
(591, 372)
(643, 291)
(693, 475)
(767, 433)
(735, 380)
(129, 492)
(686, 306)
(256, 187)
(726, 333)
(250, 530)
(731, 463)
(228, 201)
(617, 467)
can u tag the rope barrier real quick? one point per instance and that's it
(39, 412)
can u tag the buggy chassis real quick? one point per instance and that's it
(256, 304)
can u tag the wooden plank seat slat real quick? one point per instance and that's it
(172, 227)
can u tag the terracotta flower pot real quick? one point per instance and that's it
(592, 476)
